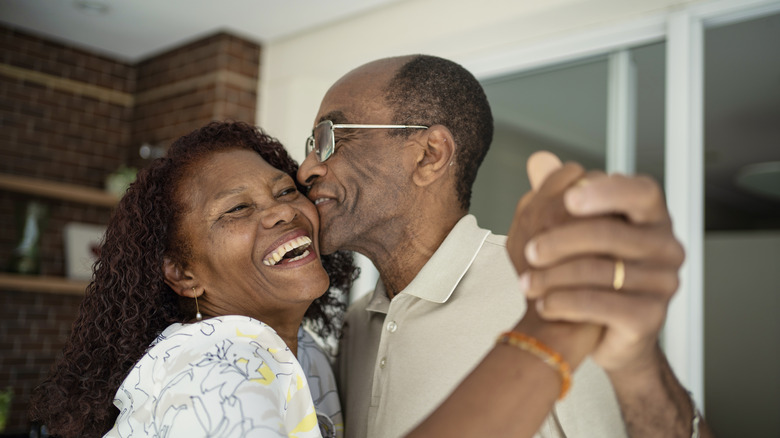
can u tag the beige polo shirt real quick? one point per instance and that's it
(400, 359)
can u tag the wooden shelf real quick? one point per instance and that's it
(46, 284)
(55, 190)
(49, 189)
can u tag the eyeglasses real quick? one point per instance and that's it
(323, 142)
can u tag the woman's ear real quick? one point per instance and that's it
(178, 279)
(438, 154)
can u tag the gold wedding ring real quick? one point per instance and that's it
(620, 274)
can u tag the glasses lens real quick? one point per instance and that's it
(309, 145)
(323, 140)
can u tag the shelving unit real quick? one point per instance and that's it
(46, 284)
(54, 190)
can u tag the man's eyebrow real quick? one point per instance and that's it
(333, 116)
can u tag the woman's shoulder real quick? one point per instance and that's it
(220, 335)
(217, 326)
(228, 372)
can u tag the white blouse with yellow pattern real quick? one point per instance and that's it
(229, 376)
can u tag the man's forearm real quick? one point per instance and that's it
(654, 403)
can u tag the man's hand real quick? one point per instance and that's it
(625, 240)
(605, 256)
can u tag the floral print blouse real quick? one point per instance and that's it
(229, 376)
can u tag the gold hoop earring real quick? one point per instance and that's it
(198, 316)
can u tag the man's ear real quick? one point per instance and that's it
(178, 278)
(437, 156)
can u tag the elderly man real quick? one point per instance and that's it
(390, 165)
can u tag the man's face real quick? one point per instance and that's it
(359, 189)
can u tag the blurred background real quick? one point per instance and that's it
(93, 89)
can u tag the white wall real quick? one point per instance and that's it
(296, 72)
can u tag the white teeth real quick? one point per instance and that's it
(273, 258)
(320, 200)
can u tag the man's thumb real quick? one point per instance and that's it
(540, 165)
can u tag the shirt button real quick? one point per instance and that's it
(392, 326)
(382, 362)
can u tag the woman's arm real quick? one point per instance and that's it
(512, 390)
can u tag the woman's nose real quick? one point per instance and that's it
(279, 213)
(311, 169)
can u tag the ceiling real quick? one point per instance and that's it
(566, 106)
(131, 30)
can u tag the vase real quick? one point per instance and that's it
(26, 255)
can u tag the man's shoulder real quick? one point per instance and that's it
(493, 251)
(498, 240)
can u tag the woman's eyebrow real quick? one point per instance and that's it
(239, 189)
(279, 177)
(226, 193)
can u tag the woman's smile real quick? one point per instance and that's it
(295, 247)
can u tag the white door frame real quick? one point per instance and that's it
(621, 113)
(683, 337)
(683, 30)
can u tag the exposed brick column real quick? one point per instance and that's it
(180, 90)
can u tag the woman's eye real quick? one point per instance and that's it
(287, 191)
(237, 208)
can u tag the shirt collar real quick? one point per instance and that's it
(379, 302)
(441, 274)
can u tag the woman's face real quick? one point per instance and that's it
(253, 239)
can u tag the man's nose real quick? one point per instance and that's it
(311, 169)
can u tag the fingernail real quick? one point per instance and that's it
(540, 305)
(525, 282)
(531, 254)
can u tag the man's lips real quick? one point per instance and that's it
(318, 198)
(319, 201)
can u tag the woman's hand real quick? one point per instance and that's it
(540, 211)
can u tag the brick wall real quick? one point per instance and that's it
(64, 116)
(211, 79)
(71, 116)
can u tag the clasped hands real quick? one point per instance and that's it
(598, 261)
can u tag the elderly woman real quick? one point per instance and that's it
(192, 323)
(209, 241)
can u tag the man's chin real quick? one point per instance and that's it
(327, 246)
(338, 235)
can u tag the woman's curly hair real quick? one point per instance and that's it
(127, 303)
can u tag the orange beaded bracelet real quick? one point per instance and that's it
(538, 349)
